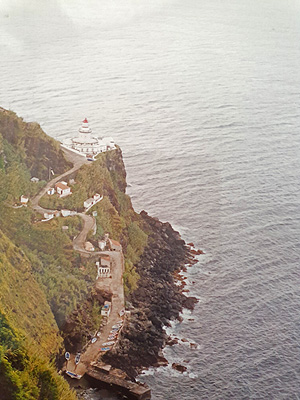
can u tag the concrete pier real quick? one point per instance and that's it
(133, 391)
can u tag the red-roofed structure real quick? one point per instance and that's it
(62, 189)
(114, 245)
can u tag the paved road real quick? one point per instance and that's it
(115, 286)
(77, 161)
(88, 224)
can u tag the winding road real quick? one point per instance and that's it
(113, 284)
(77, 160)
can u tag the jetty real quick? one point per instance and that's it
(135, 391)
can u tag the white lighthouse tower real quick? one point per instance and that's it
(87, 144)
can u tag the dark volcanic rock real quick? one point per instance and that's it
(178, 367)
(156, 301)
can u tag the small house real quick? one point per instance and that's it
(24, 199)
(34, 179)
(62, 189)
(102, 244)
(109, 142)
(48, 215)
(57, 213)
(89, 203)
(51, 191)
(65, 213)
(105, 310)
(114, 245)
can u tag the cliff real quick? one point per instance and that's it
(47, 288)
(29, 334)
(32, 146)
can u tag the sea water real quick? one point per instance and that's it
(203, 98)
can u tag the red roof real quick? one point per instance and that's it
(61, 186)
(85, 121)
(115, 242)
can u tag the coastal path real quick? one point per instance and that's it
(113, 285)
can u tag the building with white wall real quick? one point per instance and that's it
(87, 144)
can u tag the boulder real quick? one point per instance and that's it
(178, 367)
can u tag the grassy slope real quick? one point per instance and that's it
(29, 335)
(25, 374)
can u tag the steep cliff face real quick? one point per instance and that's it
(29, 335)
(39, 152)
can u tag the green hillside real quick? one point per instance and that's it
(43, 281)
(29, 334)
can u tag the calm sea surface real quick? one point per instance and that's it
(203, 96)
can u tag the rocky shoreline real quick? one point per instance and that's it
(157, 300)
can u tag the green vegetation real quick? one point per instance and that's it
(24, 373)
(54, 263)
(42, 279)
(115, 214)
(14, 175)
(30, 144)
(36, 268)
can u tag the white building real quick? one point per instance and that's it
(87, 144)
(51, 191)
(62, 189)
(92, 201)
(102, 244)
(24, 199)
(105, 310)
(34, 179)
(65, 213)
(103, 268)
(48, 216)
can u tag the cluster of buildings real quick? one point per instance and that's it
(109, 244)
(61, 188)
(63, 213)
(104, 244)
(85, 143)
(89, 203)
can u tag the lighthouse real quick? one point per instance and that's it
(87, 144)
(85, 127)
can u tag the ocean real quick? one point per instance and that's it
(203, 98)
